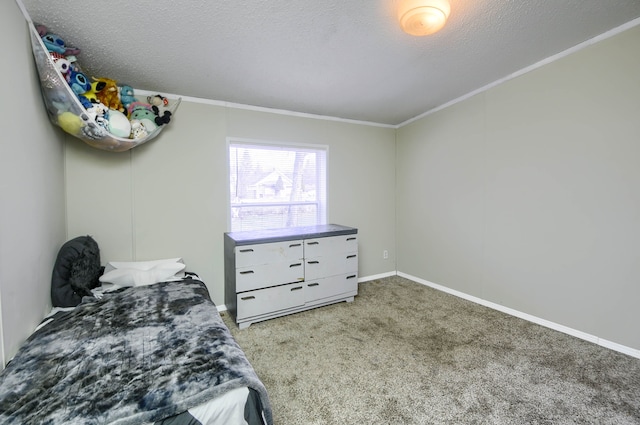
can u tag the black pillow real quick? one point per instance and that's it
(76, 271)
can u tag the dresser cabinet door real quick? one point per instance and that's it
(269, 300)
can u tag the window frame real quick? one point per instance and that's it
(321, 184)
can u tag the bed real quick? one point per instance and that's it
(150, 353)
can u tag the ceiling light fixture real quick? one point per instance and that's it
(423, 17)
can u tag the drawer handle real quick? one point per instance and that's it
(296, 288)
(248, 298)
(313, 284)
(247, 250)
(313, 243)
(351, 256)
(351, 277)
(293, 245)
(313, 262)
(247, 272)
(351, 239)
(295, 265)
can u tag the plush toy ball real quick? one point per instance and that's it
(119, 125)
(70, 122)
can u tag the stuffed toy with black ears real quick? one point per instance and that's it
(158, 105)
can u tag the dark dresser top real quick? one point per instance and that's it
(289, 233)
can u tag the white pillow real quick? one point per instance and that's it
(142, 273)
(139, 265)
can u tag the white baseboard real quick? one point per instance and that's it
(551, 325)
(376, 276)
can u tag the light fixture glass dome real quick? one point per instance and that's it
(423, 17)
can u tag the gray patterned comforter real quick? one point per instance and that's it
(135, 356)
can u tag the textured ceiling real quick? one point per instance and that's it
(340, 58)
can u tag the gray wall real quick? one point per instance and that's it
(32, 222)
(528, 195)
(169, 197)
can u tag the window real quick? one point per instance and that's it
(276, 185)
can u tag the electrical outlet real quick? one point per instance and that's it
(385, 254)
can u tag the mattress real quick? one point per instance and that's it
(152, 354)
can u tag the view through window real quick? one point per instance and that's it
(275, 186)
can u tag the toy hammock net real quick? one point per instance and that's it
(67, 111)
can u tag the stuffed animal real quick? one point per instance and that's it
(142, 112)
(158, 105)
(79, 84)
(138, 130)
(158, 101)
(61, 62)
(59, 101)
(70, 123)
(126, 96)
(91, 129)
(141, 108)
(99, 114)
(92, 93)
(119, 125)
(41, 29)
(78, 81)
(54, 43)
(109, 94)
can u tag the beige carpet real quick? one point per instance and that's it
(403, 353)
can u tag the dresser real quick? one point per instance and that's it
(271, 273)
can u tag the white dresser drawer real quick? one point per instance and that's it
(330, 265)
(269, 300)
(274, 252)
(319, 289)
(261, 276)
(330, 245)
